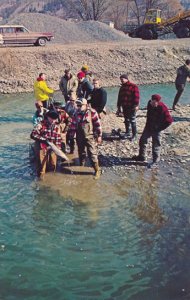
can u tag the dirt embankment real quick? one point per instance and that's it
(145, 61)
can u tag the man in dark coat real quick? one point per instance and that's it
(98, 98)
(128, 100)
(182, 73)
(85, 88)
(158, 119)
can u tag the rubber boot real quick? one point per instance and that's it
(97, 171)
(134, 131)
(127, 129)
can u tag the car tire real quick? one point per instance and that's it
(41, 42)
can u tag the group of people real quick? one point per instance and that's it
(80, 118)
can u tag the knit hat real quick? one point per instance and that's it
(156, 97)
(52, 114)
(80, 75)
(85, 68)
(125, 76)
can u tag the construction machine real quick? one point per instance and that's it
(154, 26)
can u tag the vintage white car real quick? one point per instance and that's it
(18, 34)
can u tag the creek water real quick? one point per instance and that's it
(70, 237)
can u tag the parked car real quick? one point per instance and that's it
(18, 34)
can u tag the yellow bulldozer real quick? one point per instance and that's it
(154, 26)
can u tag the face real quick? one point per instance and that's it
(43, 76)
(96, 84)
(81, 107)
(80, 79)
(123, 80)
(68, 74)
(154, 103)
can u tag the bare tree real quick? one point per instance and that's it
(90, 9)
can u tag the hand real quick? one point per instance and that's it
(99, 140)
(44, 141)
(136, 108)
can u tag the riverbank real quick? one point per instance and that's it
(147, 62)
(117, 153)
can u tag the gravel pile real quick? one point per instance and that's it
(69, 31)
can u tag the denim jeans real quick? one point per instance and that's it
(156, 143)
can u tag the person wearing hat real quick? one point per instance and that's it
(39, 115)
(48, 131)
(85, 88)
(88, 73)
(183, 73)
(86, 125)
(41, 91)
(158, 119)
(128, 101)
(68, 84)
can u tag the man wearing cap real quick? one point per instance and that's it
(158, 119)
(182, 73)
(49, 131)
(128, 100)
(86, 125)
(41, 91)
(39, 115)
(68, 84)
(85, 88)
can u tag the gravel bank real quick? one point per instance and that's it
(117, 154)
(146, 62)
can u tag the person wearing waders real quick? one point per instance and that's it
(87, 126)
(158, 119)
(182, 73)
(128, 100)
(47, 131)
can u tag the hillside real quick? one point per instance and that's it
(69, 31)
(10, 8)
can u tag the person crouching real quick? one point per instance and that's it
(49, 131)
(158, 119)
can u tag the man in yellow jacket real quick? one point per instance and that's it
(41, 90)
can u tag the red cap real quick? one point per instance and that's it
(156, 97)
(80, 75)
